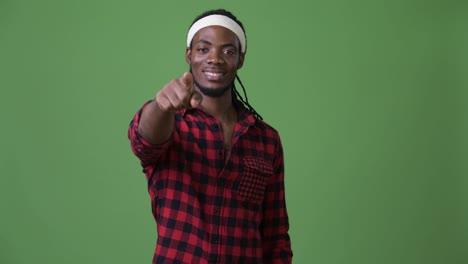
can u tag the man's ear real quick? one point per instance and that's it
(241, 60)
(188, 55)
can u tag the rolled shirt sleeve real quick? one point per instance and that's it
(147, 153)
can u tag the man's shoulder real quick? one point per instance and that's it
(265, 125)
(266, 129)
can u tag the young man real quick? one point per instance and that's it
(214, 168)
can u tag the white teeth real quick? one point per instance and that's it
(213, 73)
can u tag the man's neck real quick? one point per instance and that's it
(221, 108)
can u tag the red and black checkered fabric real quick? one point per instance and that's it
(215, 209)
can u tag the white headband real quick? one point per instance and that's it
(217, 20)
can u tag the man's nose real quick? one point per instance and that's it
(215, 57)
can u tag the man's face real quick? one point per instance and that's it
(214, 59)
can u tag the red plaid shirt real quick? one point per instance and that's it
(210, 209)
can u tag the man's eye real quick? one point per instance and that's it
(229, 52)
(202, 50)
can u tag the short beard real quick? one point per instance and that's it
(215, 93)
(210, 92)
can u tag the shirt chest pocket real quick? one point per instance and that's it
(254, 178)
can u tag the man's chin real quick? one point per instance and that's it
(210, 91)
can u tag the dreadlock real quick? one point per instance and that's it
(245, 101)
(235, 94)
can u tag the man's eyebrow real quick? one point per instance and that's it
(209, 43)
(204, 42)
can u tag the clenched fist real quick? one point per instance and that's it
(178, 94)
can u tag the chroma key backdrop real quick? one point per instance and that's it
(370, 98)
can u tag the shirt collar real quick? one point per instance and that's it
(245, 118)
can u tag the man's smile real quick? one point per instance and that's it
(213, 75)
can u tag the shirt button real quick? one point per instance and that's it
(216, 211)
(221, 182)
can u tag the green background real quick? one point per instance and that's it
(370, 98)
